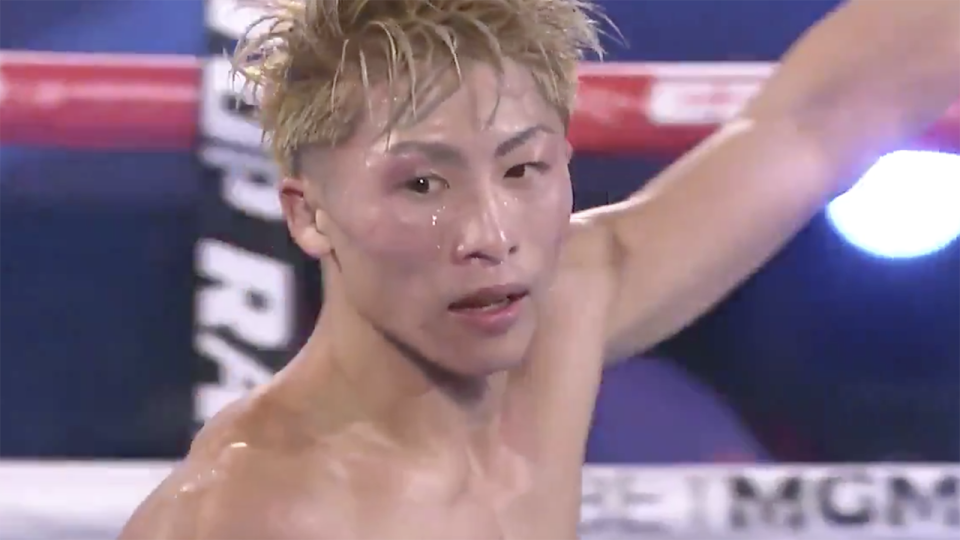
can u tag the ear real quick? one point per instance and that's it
(306, 222)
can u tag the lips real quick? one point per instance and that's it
(489, 299)
(492, 311)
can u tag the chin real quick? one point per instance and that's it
(491, 366)
(489, 359)
(471, 355)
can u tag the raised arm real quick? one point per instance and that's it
(865, 79)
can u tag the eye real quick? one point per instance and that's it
(425, 185)
(521, 170)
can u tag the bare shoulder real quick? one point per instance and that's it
(562, 372)
(241, 480)
(589, 246)
(585, 283)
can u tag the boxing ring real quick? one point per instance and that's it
(136, 102)
(91, 501)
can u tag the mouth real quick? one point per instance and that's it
(490, 299)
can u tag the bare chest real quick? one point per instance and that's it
(471, 515)
(515, 499)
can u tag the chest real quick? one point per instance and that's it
(474, 514)
(510, 498)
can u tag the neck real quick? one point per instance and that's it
(365, 377)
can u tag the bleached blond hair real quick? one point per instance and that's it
(309, 62)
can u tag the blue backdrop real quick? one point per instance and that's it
(826, 354)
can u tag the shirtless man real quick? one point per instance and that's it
(447, 390)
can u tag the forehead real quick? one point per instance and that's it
(475, 111)
(483, 101)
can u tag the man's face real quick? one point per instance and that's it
(445, 231)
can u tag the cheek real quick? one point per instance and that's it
(395, 238)
(547, 212)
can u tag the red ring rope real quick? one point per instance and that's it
(108, 101)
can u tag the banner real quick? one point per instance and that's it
(246, 302)
(842, 502)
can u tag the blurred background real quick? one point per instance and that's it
(834, 352)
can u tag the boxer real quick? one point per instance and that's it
(448, 387)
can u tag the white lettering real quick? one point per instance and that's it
(219, 119)
(606, 105)
(628, 502)
(693, 102)
(248, 182)
(229, 19)
(251, 295)
(239, 373)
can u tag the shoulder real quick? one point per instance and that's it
(585, 282)
(587, 258)
(590, 243)
(239, 481)
(566, 356)
(243, 494)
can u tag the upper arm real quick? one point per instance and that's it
(705, 224)
(853, 87)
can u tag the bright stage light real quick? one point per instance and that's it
(907, 205)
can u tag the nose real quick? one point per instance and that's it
(488, 235)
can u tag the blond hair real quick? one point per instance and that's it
(306, 59)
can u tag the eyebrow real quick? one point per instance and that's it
(448, 153)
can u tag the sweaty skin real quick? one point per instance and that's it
(402, 418)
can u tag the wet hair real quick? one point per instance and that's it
(310, 64)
